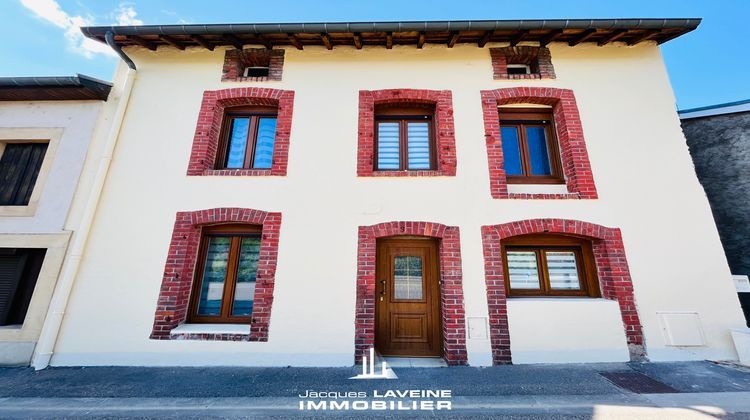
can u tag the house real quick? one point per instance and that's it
(471, 192)
(47, 126)
(719, 141)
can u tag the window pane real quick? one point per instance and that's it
(388, 145)
(522, 270)
(237, 143)
(247, 270)
(214, 273)
(419, 145)
(511, 151)
(536, 138)
(407, 277)
(264, 143)
(563, 270)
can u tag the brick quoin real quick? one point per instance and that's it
(177, 283)
(445, 140)
(451, 287)
(574, 158)
(206, 140)
(612, 269)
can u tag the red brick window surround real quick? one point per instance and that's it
(567, 123)
(176, 286)
(451, 286)
(204, 154)
(538, 59)
(270, 63)
(444, 132)
(612, 269)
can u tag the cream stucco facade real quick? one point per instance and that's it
(640, 162)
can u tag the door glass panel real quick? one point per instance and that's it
(563, 270)
(419, 145)
(388, 145)
(214, 273)
(511, 151)
(237, 143)
(536, 138)
(522, 270)
(264, 143)
(247, 270)
(407, 277)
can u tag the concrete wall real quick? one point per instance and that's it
(640, 162)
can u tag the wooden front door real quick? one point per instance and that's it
(407, 298)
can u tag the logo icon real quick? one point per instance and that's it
(385, 371)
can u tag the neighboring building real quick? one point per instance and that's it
(481, 192)
(719, 140)
(46, 130)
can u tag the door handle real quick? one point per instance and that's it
(382, 289)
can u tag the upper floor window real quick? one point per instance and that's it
(252, 64)
(224, 287)
(530, 149)
(549, 265)
(20, 164)
(248, 138)
(405, 139)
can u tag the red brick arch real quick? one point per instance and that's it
(611, 263)
(176, 285)
(444, 131)
(451, 287)
(575, 159)
(207, 132)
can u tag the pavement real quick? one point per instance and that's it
(679, 390)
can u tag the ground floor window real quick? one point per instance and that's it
(549, 265)
(19, 270)
(224, 286)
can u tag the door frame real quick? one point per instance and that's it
(451, 290)
(435, 310)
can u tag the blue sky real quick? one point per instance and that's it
(707, 66)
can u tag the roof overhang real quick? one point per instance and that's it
(711, 110)
(360, 34)
(69, 88)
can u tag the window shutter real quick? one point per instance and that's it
(19, 169)
(11, 268)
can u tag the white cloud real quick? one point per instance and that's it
(126, 15)
(51, 11)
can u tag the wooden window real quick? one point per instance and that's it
(19, 269)
(19, 168)
(404, 138)
(224, 285)
(530, 150)
(248, 137)
(549, 265)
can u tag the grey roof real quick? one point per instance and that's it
(718, 109)
(79, 87)
(572, 31)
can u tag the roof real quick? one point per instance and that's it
(359, 34)
(65, 88)
(719, 109)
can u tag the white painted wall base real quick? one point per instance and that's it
(16, 353)
(566, 331)
(741, 337)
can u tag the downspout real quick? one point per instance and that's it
(51, 329)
